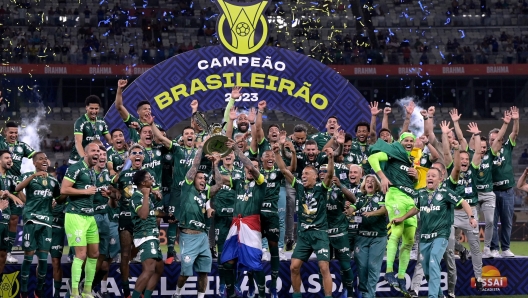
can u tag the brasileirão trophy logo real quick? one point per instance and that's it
(242, 27)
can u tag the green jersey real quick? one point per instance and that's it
(133, 134)
(152, 162)
(182, 158)
(18, 150)
(239, 165)
(353, 226)
(224, 200)
(144, 229)
(502, 169)
(351, 158)
(40, 193)
(465, 187)
(425, 161)
(249, 196)
(82, 177)
(113, 214)
(7, 182)
(90, 131)
(304, 161)
(274, 179)
(397, 165)
(321, 138)
(435, 207)
(58, 215)
(117, 158)
(361, 151)
(484, 178)
(193, 207)
(311, 206)
(341, 171)
(335, 206)
(126, 187)
(372, 226)
(102, 182)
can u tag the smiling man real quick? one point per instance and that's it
(118, 153)
(80, 225)
(88, 128)
(322, 138)
(41, 192)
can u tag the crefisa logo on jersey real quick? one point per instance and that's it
(242, 28)
(491, 279)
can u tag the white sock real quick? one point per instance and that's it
(201, 295)
(178, 290)
(104, 286)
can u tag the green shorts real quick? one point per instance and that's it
(4, 236)
(222, 226)
(175, 202)
(352, 239)
(269, 225)
(57, 242)
(126, 224)
(150, 249)
(15, 209)
(398, 203)
(312, 241)
(166, 201)
(103, 227)
(195, 254)
(158, 205)
(340, 244)
(80, 229)
(36, 237)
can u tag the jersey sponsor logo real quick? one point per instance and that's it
(484, 166)
(306, 226)
(503, 182)
(40, 217)
(244, 198)
(16, 157)
(266, 205)
(129, 174)
(57, 247)
(87, 210)
(322, 251)
(43, 193)
(429, 236)
(227, 210)
(429, 208)
(47, 239)
(330, 207)
(353, 226)
(274, 230)
(332, 231)
(100, 207)
(344, 249)
(197, 224)
(270, 184)
(404, 168)
(152, 164)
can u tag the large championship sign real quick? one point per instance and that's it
(290, 82)
(502, 277)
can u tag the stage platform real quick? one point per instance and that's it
(503, 277)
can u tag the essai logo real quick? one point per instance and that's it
(491, 279)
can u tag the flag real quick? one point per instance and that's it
(244, 242)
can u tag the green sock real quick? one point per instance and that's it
(297, 295)
(147, 294)
(172, 232)
(229, 277)
(76, 270)
(11, 241)
(42, 269)
(260, 277)
(126, 287)
(392, 246)
(136, 294)
(24, 273)
(57, 285)
(275, 265)
(89, 269)
(347, 276)
(405, 250)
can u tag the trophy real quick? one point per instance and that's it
(217, 140)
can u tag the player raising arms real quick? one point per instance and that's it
(313, 224)
(41, 192)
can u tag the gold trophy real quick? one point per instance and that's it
(217, 139)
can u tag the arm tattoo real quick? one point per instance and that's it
(247, 163)
(194, 168)
(218, 182)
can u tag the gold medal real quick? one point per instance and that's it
(364, 161)
(44, 181)
(203, 210)
(101, 179)
(499, 163)
(481, 174)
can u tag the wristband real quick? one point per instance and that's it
(476, 134)
(426, 144)
(456, 149)
(472, 216)
(425, 118)
(261, 111)
(251, 123)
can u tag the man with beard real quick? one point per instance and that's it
(152, 160)
(88, 128)
(7, 191)
(397, 181)
(313, 224)
(503, 183)
(124, 184)
(337, 197)
(80, 225)
(355, 174)
(41, 192)
(199, 132)
(194, 251)
(311, 157)
(143, 111)
(18, 150)
(360, 145)
(259, 143)
(243, 121)
(101, 198)
(321, 138)
(118, 153)
(224, 202)
(183, 158)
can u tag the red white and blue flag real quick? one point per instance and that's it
(244, 242)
